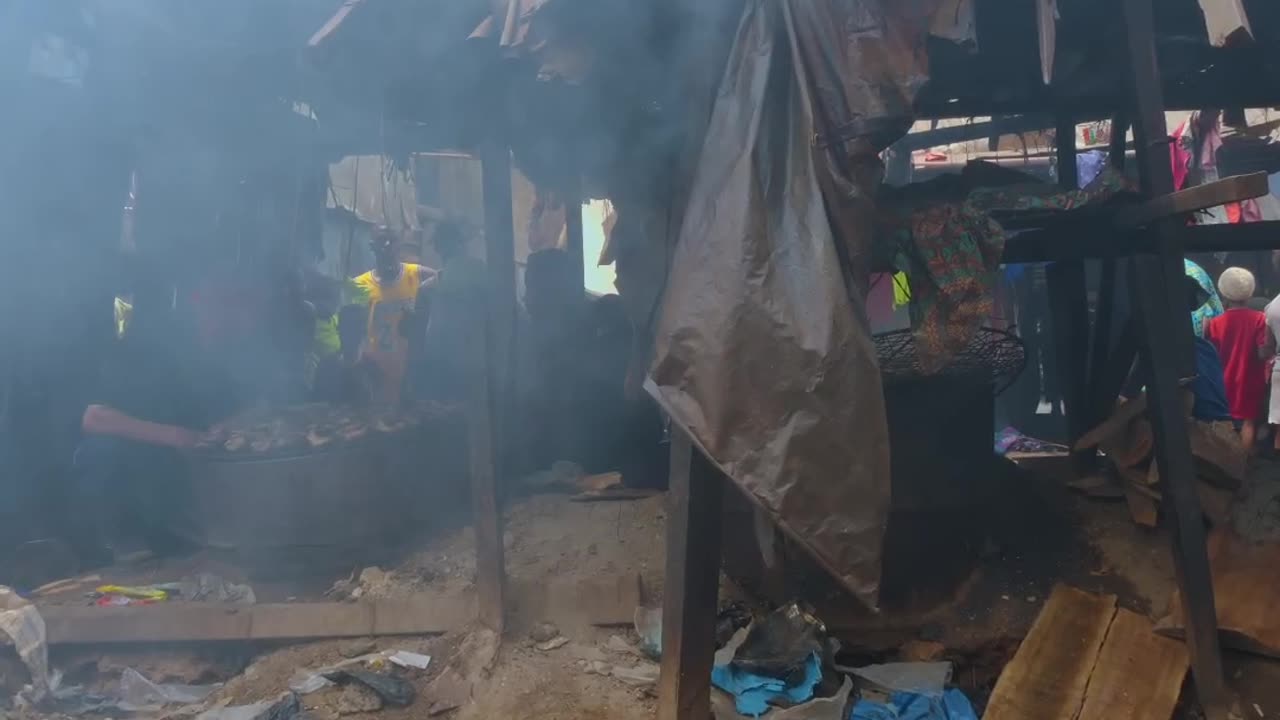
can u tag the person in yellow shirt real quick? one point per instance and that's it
(389, 292)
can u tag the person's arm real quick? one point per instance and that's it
(1266, 342)
(106, 420)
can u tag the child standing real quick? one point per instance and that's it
(1240, 335)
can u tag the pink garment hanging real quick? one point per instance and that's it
(1179, 157)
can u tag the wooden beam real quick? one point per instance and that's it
(425, 614)
(1200, 197)
(1069, 306)
(1076, 241)
(573, 237)
(692, 583)
(1168, 352)
(490, 382)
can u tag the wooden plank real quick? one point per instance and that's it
(1048, 676)
(1143, 509)
(428, 614)
(490, 377)
(1200, 197)
(1138, 675)
(1069, 308)
(1169, 354)
(1246, 585)
(1116, 424)
(300, 620)
(692, 583)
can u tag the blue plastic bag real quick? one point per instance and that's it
(952, 705)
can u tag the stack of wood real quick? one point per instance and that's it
(1128, 443)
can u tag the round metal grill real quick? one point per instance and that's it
(997, 352)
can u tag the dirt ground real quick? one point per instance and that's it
(1041, 534)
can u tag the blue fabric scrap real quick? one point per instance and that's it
(753, 693)
(953, 705)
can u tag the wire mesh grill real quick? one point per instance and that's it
(993, 351)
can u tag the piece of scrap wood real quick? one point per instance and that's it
(1220, 456)
(1138, 675)
(66, 584)
(1142, 507)
(1245, 587)
(1114, 425)
(201, 622)
(1087, 659)
(1047, 677)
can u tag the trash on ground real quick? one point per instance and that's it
(753, 693)
(357, 648)
(544, 632)
(207, 587)
(923, 678)
(447, 691)
(619, 644)
(392, 689)
(136, 692)
(553, 644)
(65, 585)
(1009, 440)
(781, 644)
(648, 623)
(21, 621)
(730, 620)
(406, 659)
(356, 699)
(950, 705)
(832, 708)
(642, 674)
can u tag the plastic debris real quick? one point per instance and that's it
(237, 712)
(923, 678)
(406, 659)
(951, 705)
(137, 692)
(393, 690)
(645, 673)
(207, 587)
(781, 644)
(648, 622)
(832, 708)
(553, 644)
(753, 692)
(21, 621)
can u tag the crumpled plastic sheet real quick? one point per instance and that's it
(952, 705)
(923, 678)
(136, 692)
(21, 621)
(763, 354)
(753, 693)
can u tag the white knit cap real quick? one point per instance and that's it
(1236, 284)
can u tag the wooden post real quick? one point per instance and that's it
(489, 397)
(1168, 354)
(1069, 306)
(573, 236)
(692, 583)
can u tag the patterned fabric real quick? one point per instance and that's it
(951, 251)
(1212, 307)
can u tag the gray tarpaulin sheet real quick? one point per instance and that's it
(762, 354)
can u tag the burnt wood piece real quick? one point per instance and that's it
(1069, 304)
(488, 380)
(692, 583)
(1167, 354)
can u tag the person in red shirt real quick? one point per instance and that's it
(1240, 335)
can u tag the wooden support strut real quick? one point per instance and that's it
(1168, 352)
(488, 383)
(1068, 304)
(692, 583)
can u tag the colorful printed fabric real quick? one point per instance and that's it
(1212, 307)
(952, 251)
